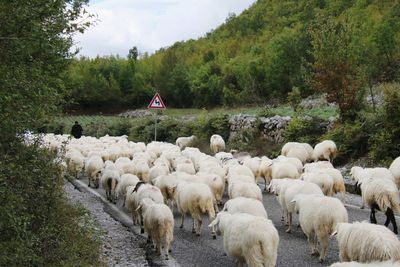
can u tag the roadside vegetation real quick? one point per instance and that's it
(38, 227)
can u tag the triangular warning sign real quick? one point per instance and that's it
(156, 102)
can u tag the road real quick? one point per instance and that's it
(191, 250)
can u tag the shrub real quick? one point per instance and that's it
(38, 227)
(305, 130)
(294, 98)
(350, 139)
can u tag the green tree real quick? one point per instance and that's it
(335, 69)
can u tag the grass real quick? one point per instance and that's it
(323, 113)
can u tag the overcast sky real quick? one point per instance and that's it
(151, 24)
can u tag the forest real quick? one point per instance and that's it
(342, 48)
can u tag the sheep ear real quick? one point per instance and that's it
(138, 208)
(334, 233)
(293, 201)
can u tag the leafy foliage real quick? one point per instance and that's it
(257, 57)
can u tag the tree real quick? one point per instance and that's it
(133, 53)
(35, 43)
(335, 68)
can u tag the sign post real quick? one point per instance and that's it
(156, 103)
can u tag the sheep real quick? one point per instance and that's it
(254, 165)
(291, 191)
(125, 181)
(240, 178)
(295, 161)
(141, 191)
(187, 167)
(309, 167)
(395, 169)
(216, 184)
(183, 142)
(240, 189)
(318, 217)
(300, 152)
(76, 163)
(195, 198)
(323, 180)
(364, 242)
(217, 143)
(158, 170)
(278, 188)
(326, 150)
(245, 205)
(370, 264)
(381, 194)
(109, 181)
(93, 168)
(240, 170)
(279, 170)
(142, 171)
(158, 223)
(249, 239)
(167, 185)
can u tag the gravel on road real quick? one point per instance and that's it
(120, 246)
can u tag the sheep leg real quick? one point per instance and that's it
(265, 184)
(372, 217)
(89, 182)
(290, 223)
(182, 219)
(167, 247)
(390, 215)
(311, 242)
(141, 224)
(323, 240)
(157, 242)
(193, 225)
(199, 223)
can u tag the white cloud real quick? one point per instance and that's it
(151, 24)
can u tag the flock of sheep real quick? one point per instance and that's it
(154, 179)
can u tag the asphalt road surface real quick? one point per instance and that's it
(191, 250)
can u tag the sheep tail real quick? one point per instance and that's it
(388, 200)
(257, 255)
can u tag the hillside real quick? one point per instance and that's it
(253, 58)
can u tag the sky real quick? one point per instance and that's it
(151, 24)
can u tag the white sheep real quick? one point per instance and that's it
(187, 167)
(93, 168)
(109, 181)
(395, 169)
(323, 180)
(245, 205)
(370, 264)
(125, 181)
(158, 223)
(240, 170)
(309, 167)
(76, 163)
(326, 150)
(254, 165)
(159, 169)
(184, 142)
(279, 170)
(293, 190)
(216, 184)
(141, 191)
(167, 185)
(249, 239)
(240, 189)
(217, 143)
(318, 217)
(383, 195)
(142, 171)
(300, 152)
(195, 199)
(365, 242)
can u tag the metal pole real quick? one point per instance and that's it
(155, 129)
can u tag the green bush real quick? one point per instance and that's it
(305, 130)
(37, 225)
(207, 125)
(350, 139)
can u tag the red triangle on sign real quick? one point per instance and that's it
(156, 102)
